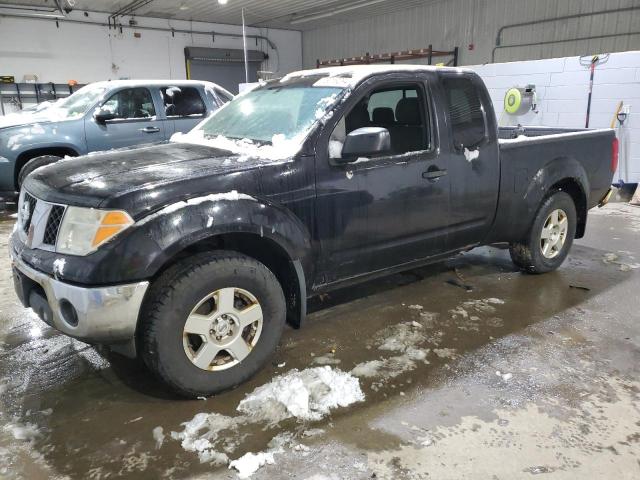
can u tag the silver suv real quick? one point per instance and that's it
(102, 116)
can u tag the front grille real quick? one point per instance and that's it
(31, 201)
(53, 225)
(39, 222)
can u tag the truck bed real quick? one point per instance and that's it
(532, 157)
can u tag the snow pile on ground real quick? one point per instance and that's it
(327, 359)
(158, 436)
(467, 315)
(309, 394)
(250, 462)
(201, 434)
(405, 339)
(26, 432)
(611, 258)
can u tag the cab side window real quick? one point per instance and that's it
(182, 102)
(465, 111)
(401, 110)
(130, 103)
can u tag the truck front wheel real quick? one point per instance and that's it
(210, 322)
(550, 237)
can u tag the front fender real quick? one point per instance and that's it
(177, 229)
(155, 239)
(36, 136)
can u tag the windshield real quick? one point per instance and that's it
(285, 112)
(78, 103)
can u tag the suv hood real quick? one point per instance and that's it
(144, 179)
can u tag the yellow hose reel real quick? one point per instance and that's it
(520, 100)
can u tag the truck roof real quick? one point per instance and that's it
(140, 83)
(354, 74)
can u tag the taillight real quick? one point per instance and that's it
(615, 147)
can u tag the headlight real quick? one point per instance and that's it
(83, 230)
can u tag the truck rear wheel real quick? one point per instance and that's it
(550, 237)
(211, 322)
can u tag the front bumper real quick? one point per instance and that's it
(103, 315)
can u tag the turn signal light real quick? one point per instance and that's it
(112, 224)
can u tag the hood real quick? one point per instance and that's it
(43, 115)
(142, 180)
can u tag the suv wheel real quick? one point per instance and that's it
(210, 322)
(550, 237)
(34, 163)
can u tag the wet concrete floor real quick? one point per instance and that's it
(523, 375)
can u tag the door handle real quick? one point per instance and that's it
(149, 129)
(433, 173)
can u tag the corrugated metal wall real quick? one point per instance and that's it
(449, 23)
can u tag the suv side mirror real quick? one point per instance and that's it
(366, 142)
(102, 115)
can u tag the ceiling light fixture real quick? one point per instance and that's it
(223, 2)
(336, 11)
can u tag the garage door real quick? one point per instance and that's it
(222, 66)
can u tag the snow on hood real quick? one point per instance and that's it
(47, 113)
(280, 147)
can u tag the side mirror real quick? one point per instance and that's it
(102, 115)
(366, 142)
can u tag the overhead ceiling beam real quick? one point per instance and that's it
(333, 11)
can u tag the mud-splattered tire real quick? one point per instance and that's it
(35, 163)
(201, 304)
(550, 237)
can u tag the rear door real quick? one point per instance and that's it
(135, 121)
(473, 158)
(184, 108)
(385, 211)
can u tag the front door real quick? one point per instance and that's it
(376, 213)
(134, 121)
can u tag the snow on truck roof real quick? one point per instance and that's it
(351, 75)
(141, 83)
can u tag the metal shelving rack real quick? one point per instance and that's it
(366, 59)
(21, 94)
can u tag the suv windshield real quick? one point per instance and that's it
(287, 112)
(78, 103)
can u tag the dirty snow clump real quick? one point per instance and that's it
(158, 436)
(250, 462)
(309, 394)
(26, 432)
(471, 155)
(201, 434)
(58, 267)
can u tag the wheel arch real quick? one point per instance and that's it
(565, 174)
(579, 197)
(289, 271)
(32, 153)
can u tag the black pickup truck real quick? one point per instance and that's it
(194, 254)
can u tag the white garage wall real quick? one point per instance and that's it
(562, 86)
(88, 53)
